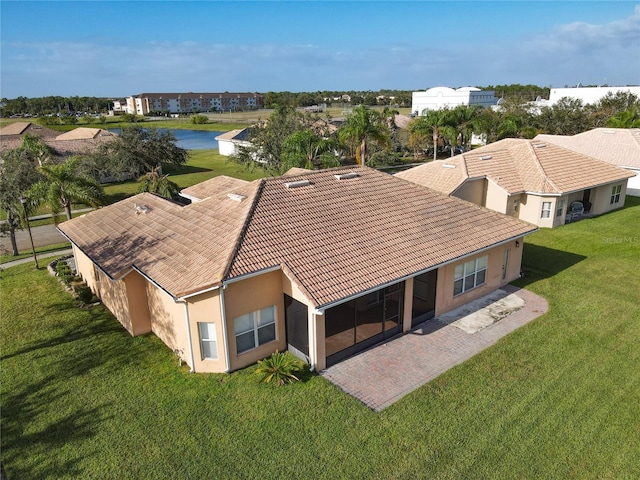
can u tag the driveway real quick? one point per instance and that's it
(382, 375)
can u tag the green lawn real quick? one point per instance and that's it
(202, 165)
(559, 398)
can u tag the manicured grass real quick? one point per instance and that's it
(202, 165)
(29, 253)
(559, 398)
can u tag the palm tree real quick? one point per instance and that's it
(625, 119)
(63, 185)
(361, 127)
(430, 123)
(155, 182)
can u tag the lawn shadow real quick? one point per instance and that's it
(182, 169)
(542, 262)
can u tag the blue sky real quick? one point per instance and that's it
(118, 48)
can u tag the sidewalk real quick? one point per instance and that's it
(382, 375)
(57, 253)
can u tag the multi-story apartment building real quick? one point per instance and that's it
(192, 102)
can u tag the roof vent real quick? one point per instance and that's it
(448, 165)
(539, 145)
(140, 209)
(297, 184)
(486, 157)
(236, 197)
(346, 176)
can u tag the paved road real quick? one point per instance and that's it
(42, 236)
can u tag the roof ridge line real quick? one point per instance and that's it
(243, 230)
(545, 177)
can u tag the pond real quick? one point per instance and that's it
(189, 139)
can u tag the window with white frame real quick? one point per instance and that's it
(255, 329)
(208, 340)
(469, 275)
(546, 209)
(559, 208)
(615, 194)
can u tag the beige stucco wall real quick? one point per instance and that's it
(445, 300)
(496, 198)
(125, 298)
(205, 308)
(167, 319)
(247, 296)
(601, 198)
(474, 191)
(531, 210)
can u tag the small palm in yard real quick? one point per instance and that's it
(155, 182)
(280, 366)
(64, 184)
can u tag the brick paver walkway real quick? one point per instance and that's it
(384, 374)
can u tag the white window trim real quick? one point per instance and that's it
(546, 211)
(210, 340)
(475, 272)
(256, 326)
(616, 191)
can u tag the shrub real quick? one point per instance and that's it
(84, 293)
(199, 119)
(280, 366)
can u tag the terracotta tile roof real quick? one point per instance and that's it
(183, 249)
(333, 237)
(14, 128)
(64, 145)
(214, 186)
(336, 238)
(296, 171)
(518, 165)
(84, 133)
(617, 146)
(230, 135)
(444, 176)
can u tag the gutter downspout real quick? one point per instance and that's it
(186, 318)
(223, 314)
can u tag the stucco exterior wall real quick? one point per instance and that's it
(205, 308)
(496, 198)
(445, 299)
(167, 319)
(633, 184)
(85, 269)
(474, 191)
(601, 198)
(226, 147)
(247, 296)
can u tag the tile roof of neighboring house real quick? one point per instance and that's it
(518, 165)
(14, 128)
(214, 186)
(64, 145)
(402, 121)
(617, 146)
(238, 135)
(333, 237)
(296, 171)
(84, 133)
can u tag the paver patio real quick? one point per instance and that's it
(384, 374)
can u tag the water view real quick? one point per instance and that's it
(190, 139)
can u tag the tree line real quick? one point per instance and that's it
(290, 138)
(52, 105)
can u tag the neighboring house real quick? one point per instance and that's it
(588, 95)
(192, 102)
(229, 142)
(444, 97)
(11, 135)
(323, 263)
(531, 180)
(617, 146)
